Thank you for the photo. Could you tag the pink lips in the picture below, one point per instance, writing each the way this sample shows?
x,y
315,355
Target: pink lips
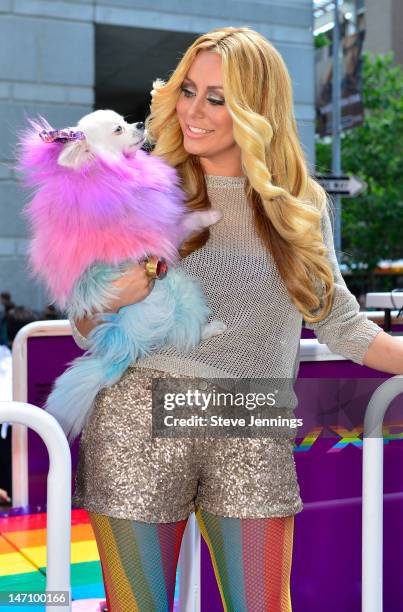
x,y
192,135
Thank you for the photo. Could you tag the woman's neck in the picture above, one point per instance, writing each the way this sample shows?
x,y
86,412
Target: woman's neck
x,y
231,167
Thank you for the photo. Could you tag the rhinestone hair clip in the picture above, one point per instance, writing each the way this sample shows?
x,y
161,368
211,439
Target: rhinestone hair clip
x,y
61,135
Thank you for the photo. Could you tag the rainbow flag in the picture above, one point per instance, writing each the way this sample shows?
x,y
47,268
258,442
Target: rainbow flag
x,y
23,559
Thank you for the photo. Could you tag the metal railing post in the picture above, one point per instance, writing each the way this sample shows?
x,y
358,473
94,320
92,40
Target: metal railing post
x,y
372,493
58,527
20,496
189,568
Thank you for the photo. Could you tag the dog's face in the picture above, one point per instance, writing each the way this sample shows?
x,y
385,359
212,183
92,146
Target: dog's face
x,y
107,135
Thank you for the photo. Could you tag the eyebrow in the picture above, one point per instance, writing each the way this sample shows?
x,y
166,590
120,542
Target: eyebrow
x,y
209,87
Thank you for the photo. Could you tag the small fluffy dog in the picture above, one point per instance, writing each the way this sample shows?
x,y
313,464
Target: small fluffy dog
x,y
101,204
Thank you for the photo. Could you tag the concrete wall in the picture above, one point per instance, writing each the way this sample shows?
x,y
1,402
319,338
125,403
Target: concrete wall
x,y
384,27
47,67
60,58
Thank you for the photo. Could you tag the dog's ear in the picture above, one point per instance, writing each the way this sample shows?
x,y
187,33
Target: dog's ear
x,y
75,154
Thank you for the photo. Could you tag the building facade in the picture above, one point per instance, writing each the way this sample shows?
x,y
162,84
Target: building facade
x,y
384,27
62,59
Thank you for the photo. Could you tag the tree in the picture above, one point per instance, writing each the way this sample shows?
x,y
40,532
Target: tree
x,y
372,223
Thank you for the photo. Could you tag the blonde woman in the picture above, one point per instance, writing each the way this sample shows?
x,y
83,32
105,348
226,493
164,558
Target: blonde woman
x,y
225,120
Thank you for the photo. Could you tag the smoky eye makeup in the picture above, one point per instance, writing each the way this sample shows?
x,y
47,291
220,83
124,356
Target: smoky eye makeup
x,y
216,101
189,93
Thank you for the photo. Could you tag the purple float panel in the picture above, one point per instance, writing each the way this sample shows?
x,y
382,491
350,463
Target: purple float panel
x,y
48,357
326,570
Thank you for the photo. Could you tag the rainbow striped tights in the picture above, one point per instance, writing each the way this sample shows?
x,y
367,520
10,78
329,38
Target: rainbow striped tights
x,y
251,558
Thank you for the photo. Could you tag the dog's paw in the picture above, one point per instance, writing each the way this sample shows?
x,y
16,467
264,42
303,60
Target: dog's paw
x,y
214,328
198,220
213,216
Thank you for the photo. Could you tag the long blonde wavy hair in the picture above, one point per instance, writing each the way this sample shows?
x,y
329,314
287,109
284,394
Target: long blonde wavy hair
x,y
287,203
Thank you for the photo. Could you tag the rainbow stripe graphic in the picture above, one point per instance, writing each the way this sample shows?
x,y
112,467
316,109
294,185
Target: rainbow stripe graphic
x,y
23,557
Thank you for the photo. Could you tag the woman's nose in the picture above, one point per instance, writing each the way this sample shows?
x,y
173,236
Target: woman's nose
x,y
139,125
196,108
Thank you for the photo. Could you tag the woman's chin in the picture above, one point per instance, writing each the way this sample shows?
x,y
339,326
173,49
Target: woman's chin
x,y
194,148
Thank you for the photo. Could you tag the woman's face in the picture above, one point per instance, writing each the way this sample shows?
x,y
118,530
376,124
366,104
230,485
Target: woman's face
x,y
204,118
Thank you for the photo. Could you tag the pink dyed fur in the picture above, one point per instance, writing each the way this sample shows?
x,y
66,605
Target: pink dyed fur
x,y
103,212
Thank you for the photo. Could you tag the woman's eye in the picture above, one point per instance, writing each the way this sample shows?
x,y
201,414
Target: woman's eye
x,y
119,129
187,92
215,101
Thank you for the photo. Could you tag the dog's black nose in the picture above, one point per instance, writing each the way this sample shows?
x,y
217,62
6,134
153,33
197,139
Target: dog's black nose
x,y
139,125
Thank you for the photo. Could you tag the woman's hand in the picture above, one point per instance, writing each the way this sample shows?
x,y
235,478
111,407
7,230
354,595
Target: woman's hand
x,y
134,285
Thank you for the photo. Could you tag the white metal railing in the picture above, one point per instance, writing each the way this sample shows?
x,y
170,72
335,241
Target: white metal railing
x,y
189,559
189,568
372,493
20,394
58,525
310,350
389,301
385,299
189,563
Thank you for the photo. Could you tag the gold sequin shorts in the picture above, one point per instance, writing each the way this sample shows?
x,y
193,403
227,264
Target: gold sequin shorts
x,y
123,472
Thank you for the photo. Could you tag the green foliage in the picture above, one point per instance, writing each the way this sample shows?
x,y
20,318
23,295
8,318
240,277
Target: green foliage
x,y
321,40
372,223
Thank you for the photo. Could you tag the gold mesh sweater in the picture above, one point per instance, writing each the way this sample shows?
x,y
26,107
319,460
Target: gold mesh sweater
x,y
245,290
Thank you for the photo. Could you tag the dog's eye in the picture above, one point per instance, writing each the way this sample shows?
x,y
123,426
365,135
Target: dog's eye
x,y
119,129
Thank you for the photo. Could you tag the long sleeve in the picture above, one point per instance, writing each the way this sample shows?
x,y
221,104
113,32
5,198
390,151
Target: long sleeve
x,y
345,330
79,339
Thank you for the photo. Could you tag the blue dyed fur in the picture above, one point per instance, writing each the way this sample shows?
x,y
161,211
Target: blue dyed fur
x,y
173,313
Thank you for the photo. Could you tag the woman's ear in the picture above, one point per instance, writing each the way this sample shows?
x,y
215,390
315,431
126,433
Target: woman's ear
x,y
75,154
